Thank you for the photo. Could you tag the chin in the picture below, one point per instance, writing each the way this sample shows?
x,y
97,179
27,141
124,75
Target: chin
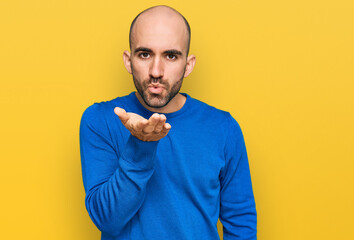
x,y
155,100
156,103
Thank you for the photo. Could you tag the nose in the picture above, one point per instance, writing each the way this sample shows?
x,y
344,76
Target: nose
x,y
156,68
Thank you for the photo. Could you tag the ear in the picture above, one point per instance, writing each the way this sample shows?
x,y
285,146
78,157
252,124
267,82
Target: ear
x,y
127,61
190,65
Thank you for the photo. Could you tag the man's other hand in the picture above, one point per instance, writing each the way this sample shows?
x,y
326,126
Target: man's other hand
x,y
152,129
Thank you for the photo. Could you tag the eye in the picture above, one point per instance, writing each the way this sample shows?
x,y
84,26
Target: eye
x,y
144,55
171,57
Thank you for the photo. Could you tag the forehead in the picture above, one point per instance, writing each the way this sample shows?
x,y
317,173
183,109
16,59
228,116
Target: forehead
x,y
160,30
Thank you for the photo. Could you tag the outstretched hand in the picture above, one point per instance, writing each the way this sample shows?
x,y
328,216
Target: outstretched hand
x,y
152,129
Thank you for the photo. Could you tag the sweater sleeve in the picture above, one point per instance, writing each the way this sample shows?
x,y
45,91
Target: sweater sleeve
x,y
237,205
115,183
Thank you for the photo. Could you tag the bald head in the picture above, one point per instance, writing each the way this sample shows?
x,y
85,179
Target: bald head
x,y
161,15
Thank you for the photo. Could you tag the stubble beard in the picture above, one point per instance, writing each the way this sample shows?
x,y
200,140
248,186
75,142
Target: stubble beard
x,y
156,100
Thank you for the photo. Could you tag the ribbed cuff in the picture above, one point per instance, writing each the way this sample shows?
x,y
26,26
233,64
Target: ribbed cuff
x,y
140,153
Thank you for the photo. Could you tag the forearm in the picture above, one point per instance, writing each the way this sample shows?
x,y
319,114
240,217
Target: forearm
x,y
239,220
112,203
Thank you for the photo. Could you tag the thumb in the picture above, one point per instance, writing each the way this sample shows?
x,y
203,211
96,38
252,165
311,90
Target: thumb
x,y
122,114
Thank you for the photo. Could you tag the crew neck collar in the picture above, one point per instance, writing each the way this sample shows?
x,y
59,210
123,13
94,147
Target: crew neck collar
x,y
148,113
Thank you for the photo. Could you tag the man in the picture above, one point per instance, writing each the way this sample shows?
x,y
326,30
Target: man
x,y
148,179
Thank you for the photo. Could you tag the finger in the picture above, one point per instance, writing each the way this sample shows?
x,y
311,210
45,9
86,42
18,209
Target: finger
x,y
122,114
153,120
166,129
167,126
141,124
160,124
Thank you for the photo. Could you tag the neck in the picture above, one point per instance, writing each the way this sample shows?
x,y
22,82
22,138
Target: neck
x,y
174,105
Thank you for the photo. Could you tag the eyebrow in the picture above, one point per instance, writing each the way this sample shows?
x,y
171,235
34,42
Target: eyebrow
x,y
173,51
144,49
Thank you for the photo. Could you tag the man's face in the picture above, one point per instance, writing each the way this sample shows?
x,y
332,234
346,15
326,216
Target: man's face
x,y
158,58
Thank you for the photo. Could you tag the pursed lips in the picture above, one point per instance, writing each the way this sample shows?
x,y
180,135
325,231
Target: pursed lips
x,y
155,88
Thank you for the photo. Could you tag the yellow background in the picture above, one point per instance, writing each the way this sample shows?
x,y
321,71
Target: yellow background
x,y
284,69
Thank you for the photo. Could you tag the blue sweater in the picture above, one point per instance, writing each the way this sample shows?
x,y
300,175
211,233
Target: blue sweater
x,y
175,188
